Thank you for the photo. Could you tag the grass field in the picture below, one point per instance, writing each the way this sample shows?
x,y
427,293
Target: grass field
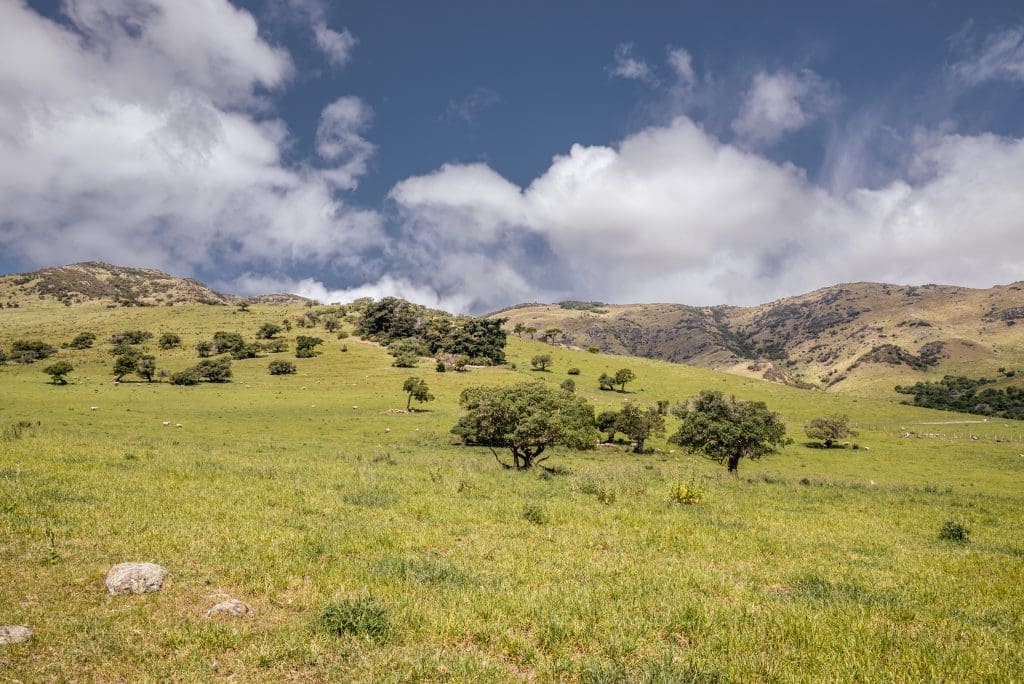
x,y
295,492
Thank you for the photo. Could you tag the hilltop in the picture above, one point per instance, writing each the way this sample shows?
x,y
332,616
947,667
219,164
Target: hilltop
x,y
842,337
95,281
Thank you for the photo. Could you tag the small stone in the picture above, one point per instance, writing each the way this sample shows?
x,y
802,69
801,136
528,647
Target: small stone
x,y
231,608
135,578
14,634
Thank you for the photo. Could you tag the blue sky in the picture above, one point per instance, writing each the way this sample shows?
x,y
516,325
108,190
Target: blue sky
x,y
475,154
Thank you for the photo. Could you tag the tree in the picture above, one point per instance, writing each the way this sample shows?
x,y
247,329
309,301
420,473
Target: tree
x,y
83,340
145,367
214,370
330,323
406,351
243,305
608,422
606,382
829,429
569,385
726,430
640,423
169,340
527,418
541,362
268,331
30,351
550,333
58,371
530,331
189,376
280,367
519,329
125,364
305,346
623,376
225,342
417,389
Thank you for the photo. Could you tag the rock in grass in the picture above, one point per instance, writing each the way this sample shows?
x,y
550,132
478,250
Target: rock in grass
x,y
230,608
14,634
135,578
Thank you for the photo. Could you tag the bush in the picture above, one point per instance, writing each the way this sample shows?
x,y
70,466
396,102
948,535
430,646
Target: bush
x,y
30,351
593,350
130,337
249,350
83,340
268,331
169,340
188,376
686,493
573,371
281,368
305,346
275,346
440,367
569,385
363,616
541,362
535,514
954,531
214,370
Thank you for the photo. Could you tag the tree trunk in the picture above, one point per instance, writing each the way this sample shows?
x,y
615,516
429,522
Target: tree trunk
x,y
639,446
734,464
408,404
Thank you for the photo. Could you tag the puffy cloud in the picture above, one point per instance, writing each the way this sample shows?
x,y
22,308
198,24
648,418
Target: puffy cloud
x,y
336,45
339,139
672,213
626,65
135,134
780,103
1001,57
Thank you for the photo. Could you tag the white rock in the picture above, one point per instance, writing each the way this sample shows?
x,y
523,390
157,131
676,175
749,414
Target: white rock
x,y
231,608
135,578
14,634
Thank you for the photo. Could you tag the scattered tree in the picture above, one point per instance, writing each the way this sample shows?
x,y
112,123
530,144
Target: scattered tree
x,y
417,389
569,385
268,331
58,372
623,376
189,376
169,340
30,351
280,367
145,367
214,370
527,418
606,382
275,346
573,371
541,362
130,337
829,429
243,305
519,329
249,350
305,346
124,364
726,430
205,349
608,422
640,423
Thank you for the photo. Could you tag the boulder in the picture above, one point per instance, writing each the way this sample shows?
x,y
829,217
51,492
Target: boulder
x,y
135,578
230,608
14,634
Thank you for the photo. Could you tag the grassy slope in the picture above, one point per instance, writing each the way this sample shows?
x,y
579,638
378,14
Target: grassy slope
x,y
288,492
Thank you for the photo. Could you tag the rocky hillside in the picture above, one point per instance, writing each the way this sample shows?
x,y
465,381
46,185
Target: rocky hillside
x,y
838,337
93,281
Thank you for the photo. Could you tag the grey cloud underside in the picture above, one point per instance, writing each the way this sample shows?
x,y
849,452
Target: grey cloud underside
x,y
157,145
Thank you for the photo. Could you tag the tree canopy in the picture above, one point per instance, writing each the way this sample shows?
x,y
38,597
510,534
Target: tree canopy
x,y
639,423
527,418
726,430
416,388
829,429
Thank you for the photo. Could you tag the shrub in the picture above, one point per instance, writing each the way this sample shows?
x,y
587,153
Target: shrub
x,y
249,350
83,340
569,385
205,349
275,346
573,371
130,337
214,370
57,371
30,351
281,368
268,331
954,531
535,514
829,429
686,493
440,367
169,340
227,341
593,350
363,616
188,376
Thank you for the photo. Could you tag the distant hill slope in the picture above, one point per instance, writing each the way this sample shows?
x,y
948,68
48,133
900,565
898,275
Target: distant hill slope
x,y
117,285
839,337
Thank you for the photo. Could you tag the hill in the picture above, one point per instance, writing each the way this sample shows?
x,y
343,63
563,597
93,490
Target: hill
x,y
95,281
315,495
845,337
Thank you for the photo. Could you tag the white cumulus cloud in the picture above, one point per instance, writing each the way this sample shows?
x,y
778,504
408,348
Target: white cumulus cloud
x,y
780,103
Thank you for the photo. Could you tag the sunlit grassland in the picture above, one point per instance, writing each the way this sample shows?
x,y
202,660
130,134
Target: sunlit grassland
x,y
290,492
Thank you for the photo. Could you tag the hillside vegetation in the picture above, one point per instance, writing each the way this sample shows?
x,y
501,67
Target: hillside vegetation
x,y
373,547
853,337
